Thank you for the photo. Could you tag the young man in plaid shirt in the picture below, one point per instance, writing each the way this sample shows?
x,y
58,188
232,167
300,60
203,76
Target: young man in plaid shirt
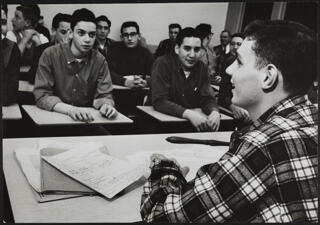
x,y
270,172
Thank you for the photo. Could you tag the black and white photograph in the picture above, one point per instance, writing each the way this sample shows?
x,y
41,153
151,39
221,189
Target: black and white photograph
x,y
149,111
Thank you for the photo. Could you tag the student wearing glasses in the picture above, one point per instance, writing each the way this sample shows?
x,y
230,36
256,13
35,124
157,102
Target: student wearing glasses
x,y
167,46
103,43
128,58
72,76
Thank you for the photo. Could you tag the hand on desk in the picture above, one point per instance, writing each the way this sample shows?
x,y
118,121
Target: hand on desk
x,y
80,113
137,82
201,122
240,113
108,111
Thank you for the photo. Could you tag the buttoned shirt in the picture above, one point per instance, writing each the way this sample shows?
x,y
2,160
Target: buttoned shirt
x,y
173,93
61,78
269,174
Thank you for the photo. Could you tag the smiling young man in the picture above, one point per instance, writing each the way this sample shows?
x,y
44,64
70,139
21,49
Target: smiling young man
x,y
72,76
270,172
128,58
181,82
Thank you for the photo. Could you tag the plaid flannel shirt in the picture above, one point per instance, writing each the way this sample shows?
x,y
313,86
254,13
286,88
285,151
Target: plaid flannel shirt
x,y
269,174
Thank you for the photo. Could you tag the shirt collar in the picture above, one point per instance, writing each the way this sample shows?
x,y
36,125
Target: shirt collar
x,y
286,103
70,57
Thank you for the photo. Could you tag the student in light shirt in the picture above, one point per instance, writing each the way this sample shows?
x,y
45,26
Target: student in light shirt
x,y
72,77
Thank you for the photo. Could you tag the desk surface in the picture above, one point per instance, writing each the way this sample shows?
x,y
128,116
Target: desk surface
x,y
168,118
11,112
25,86
45,118
125,208
120,87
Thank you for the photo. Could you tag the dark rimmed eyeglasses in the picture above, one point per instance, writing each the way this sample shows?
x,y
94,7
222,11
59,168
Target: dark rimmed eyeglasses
x,y
127,35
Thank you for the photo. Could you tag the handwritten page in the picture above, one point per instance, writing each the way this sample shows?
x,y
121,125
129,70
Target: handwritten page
x,y
97,170
193,156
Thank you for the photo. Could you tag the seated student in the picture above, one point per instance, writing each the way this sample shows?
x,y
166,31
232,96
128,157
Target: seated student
x,y
10,55
103,29
73,76
208,56
181,82
127,57
24,33
167,46
225,94
270,172
60,34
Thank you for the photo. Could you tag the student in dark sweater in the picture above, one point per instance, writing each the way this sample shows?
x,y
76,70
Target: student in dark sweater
x,y
128,58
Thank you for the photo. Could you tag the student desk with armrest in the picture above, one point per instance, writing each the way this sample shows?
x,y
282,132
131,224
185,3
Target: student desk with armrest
x,y
124,208
11,112
167,123
50,123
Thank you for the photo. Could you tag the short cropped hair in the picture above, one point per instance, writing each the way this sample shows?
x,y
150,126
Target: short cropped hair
x,y
130,24
175,25
288,45
204,30
103,18
226,31
60,17
240,35
82,15
30,12
187,32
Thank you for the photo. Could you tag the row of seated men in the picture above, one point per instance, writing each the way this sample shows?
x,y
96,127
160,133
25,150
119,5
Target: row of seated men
x,y
70,76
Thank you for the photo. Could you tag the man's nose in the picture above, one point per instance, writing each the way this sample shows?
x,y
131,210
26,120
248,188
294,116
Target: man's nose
x,y
87,38
192,53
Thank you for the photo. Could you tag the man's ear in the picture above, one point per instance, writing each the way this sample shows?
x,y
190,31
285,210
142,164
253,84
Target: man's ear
x,y
176,49
271,78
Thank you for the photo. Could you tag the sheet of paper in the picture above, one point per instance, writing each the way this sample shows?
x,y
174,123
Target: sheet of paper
x,y
193,156
29,162
97,170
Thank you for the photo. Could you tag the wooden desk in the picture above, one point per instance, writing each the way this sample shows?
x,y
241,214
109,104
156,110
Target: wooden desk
x,y
24,69
120,87
45,118
168,118
11,112
125,208
25,86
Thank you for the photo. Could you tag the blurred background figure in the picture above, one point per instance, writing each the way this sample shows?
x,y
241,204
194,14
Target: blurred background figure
x,y
103,43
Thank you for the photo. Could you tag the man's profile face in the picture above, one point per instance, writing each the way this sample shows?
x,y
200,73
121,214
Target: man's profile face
x,y
18,21
83,36
103,30
62,32
224,38
189,52
173,33
245,77
235,44
130,37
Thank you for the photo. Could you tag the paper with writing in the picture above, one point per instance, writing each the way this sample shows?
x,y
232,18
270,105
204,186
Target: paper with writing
x,y
103,173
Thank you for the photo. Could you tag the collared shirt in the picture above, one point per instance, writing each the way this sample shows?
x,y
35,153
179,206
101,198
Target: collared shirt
x,y
124,61
209,58
103,49
61,78
269,174
173,93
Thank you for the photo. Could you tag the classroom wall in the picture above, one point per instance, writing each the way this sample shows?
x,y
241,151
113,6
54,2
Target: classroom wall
x,y
153,18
